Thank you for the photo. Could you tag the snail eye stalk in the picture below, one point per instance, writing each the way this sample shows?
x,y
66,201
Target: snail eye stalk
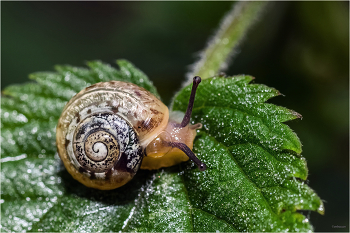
x,y
182,146
187,117
185,122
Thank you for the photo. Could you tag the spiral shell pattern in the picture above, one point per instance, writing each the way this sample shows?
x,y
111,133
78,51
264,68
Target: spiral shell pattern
x,y
103,130
100,140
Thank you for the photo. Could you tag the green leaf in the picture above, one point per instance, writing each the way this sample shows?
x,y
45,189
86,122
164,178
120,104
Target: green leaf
x,y
31,111
252,182
255,174
31,176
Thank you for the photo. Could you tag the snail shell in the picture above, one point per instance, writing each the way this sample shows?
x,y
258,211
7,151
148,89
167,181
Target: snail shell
x,y
103,131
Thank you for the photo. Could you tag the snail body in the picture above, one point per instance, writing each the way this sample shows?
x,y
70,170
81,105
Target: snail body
x,y
109,130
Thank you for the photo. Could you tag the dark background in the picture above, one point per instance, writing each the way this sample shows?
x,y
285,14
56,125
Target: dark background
x,y
300,48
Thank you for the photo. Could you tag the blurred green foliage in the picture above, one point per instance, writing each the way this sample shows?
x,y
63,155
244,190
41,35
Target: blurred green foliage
x,y
300,48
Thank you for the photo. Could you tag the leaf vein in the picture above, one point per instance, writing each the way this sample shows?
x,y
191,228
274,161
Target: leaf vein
x,y
244,173
242,111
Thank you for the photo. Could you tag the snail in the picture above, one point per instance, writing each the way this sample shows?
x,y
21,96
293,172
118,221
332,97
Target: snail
x,y
109,130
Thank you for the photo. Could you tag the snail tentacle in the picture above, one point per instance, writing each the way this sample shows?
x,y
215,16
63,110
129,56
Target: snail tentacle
x,y
105,130
202,166
187,117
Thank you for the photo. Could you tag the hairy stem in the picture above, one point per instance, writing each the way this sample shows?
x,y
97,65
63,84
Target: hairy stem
x,y
232,30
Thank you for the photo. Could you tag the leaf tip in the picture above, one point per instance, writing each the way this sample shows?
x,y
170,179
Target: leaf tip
x,y
297,115
32,76
122,62
279,93
94,63
320,209
58,68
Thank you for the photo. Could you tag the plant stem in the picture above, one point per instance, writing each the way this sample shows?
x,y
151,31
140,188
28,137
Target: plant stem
x,y
232,30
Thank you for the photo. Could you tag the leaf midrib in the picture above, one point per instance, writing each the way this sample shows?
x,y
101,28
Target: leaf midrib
x,y
243,172
268,152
